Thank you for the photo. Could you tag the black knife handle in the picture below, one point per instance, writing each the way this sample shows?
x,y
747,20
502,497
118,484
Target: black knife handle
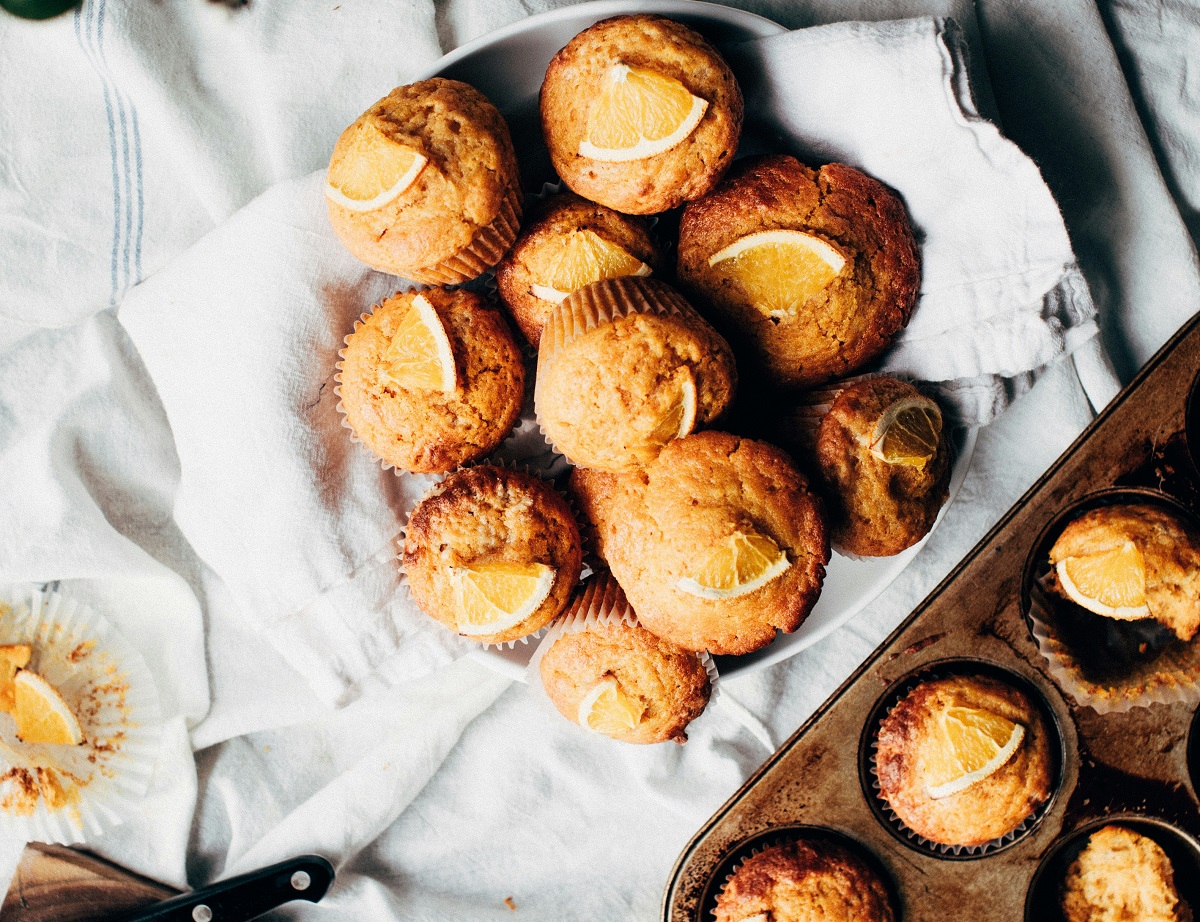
x,y
247,896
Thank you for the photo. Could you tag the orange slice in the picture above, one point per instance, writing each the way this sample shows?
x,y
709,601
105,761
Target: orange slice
x,y
372,170
419,355
493,597
745,562
12,658
42,715
638,114
975,744
908,433
680,418
779,270
609,710
580,258
1112,583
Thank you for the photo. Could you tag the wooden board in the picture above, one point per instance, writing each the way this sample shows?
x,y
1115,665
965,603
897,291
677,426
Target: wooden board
x,y
57,884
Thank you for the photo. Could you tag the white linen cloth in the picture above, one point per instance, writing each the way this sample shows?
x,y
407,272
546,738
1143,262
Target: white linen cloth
x,y
522,806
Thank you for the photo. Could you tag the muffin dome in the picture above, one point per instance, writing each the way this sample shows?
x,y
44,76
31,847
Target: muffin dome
x,y
432,428
1122,875
914,746
609,674
461,206
569,243
804,881
837,218
885,460
625,365
597,86
718,543
480,541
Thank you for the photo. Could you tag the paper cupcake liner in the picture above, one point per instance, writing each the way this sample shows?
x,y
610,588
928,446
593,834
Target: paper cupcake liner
x,y
107,684
917,840
487,248
600,602
1171,677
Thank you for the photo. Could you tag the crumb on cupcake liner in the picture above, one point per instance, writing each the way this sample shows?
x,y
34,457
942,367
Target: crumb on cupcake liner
x,y
899,827
73,794
1171,677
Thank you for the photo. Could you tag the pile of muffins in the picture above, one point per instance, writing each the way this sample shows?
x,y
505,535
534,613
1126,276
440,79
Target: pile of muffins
x,y
652,373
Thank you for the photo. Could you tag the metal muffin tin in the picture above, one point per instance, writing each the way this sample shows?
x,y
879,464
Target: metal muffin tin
x,y
1140,767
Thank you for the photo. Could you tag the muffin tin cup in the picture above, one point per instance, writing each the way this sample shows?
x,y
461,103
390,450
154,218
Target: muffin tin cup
x,y
893,697
1043,901
110,689
784,835
600,603
487,248
1171,677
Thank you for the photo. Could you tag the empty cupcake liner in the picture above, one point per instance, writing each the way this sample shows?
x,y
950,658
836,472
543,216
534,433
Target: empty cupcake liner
x,y
916,840
1171,677
71,794
487,248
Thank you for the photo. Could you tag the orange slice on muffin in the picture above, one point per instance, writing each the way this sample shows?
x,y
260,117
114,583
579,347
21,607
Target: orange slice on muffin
x,y
42,714
680,418
609,710
373,171
779,270
1111,583
975,744
580,258
493,597
746,561
419,355
908,432
12,657
639,113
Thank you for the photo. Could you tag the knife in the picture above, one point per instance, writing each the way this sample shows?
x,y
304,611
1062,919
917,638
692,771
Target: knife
x,y
247,896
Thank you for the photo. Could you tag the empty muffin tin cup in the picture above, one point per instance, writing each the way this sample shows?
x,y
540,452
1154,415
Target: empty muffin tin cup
x,y
743,851
1044,901
894,695
1103,663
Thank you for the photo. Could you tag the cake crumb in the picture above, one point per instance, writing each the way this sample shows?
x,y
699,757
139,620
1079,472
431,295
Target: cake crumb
x,y
510,903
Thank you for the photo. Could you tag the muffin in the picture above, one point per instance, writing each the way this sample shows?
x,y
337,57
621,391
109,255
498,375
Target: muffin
x,y
964,760
624,366
607,673
718,543
804,881
1129,563
570,243
492,553
813,272
885,462
431,380
640,114
424,184
1122,876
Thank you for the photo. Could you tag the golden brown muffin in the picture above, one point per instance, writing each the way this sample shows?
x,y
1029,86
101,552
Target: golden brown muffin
x,y
424,429
1122,876
592,61
569,239
878,507
804,881
1157,543
670,531
462,211
476,520
617,678
914,736
625,365
843,325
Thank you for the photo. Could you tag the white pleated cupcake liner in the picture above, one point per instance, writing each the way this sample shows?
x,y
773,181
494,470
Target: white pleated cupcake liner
x,y
1173,677
917,840
512,466
108,686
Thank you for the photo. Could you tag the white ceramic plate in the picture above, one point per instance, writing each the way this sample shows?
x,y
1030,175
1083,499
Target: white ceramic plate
x,y
508,66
